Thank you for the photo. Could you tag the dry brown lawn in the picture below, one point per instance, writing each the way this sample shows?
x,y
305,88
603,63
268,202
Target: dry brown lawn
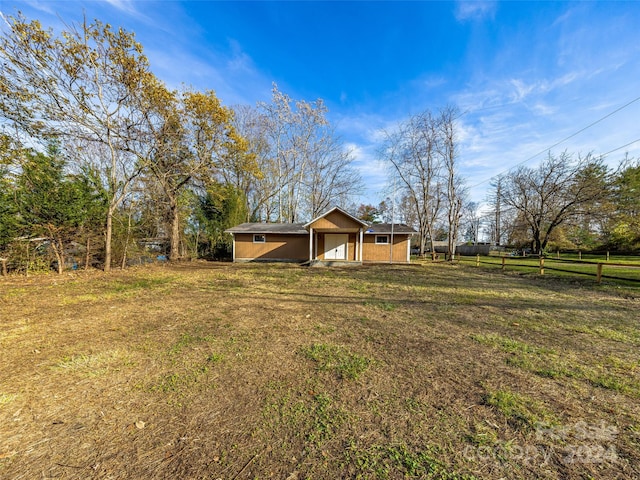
x,y
207,371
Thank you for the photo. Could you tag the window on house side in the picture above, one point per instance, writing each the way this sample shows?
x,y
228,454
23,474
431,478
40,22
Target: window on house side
x,y
382,239
259,238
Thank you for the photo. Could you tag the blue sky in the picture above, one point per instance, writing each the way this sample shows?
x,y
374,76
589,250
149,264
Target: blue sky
x,y
525,75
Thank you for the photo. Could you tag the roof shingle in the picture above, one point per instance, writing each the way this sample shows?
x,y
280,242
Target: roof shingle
x,y
282,228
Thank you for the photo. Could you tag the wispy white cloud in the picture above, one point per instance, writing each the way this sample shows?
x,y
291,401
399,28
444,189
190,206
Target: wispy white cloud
x,y
434,81
373,169
474,10
238,60
40,6
126,6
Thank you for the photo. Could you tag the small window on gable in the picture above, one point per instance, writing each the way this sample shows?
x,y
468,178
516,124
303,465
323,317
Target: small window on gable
x,y
259,238
382,239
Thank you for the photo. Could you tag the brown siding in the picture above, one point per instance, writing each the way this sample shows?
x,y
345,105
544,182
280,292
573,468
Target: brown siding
x,y
296,248
373,252
335,220
320,246
276,247
351,255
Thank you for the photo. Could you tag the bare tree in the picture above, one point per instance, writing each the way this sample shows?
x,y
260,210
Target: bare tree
x,y
306,165
495,201
470,222
412,151
455,190
330,179
288,133
558,190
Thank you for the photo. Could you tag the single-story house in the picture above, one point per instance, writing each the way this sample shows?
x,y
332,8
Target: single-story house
x,y
335,236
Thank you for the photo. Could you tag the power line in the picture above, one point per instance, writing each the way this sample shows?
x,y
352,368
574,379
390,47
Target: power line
x,y
621,147
564,140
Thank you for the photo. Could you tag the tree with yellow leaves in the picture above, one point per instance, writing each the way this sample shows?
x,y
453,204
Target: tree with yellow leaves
x,y
85,88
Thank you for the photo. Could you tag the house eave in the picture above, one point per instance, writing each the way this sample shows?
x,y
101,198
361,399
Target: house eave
x,y
336,209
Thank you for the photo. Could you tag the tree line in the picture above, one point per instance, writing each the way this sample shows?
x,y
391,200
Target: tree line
x,y
102,164
99,158
567,202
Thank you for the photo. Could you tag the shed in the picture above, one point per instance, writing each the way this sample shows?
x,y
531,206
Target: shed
x,y
334,237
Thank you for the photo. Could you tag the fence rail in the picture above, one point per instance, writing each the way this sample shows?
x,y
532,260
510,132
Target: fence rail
x,y
542,264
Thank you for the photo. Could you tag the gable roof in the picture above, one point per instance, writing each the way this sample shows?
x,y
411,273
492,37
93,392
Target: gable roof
x,y
386,228
303,229
336,209
282,228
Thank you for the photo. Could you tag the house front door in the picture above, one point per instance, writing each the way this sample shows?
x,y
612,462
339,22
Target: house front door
x,y
335,246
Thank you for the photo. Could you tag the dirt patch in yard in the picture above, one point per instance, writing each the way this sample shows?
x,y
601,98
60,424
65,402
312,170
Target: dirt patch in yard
x,y
203,370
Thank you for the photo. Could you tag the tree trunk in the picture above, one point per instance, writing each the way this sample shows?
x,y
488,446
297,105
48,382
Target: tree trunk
x,y
58,252
537,245
123,264
174,252
432,242
58,248
87,255
3,261
107,240
26,267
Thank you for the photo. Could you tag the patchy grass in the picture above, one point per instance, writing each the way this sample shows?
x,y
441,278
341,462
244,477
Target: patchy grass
x,y
6,398
337,359
92,365
519,410
508,344
431,371
393,461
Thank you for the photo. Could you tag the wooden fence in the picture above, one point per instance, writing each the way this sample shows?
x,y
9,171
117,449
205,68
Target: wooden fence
x,y
555,264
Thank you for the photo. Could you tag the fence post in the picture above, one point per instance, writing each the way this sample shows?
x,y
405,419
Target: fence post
x,y
541,265
607,255
558,254
477,259
4,266
503,262
599,275
579,254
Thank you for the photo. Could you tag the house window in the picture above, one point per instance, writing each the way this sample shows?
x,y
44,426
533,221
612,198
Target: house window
x,y
259,238
382,239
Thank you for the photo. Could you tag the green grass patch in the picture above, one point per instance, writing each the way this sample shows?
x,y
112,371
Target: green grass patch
x,y
612,374
382,305
510,345
215,358
400,460
183,382
627,336
520,411
188,339
308,416
482,435
337,359
6,398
